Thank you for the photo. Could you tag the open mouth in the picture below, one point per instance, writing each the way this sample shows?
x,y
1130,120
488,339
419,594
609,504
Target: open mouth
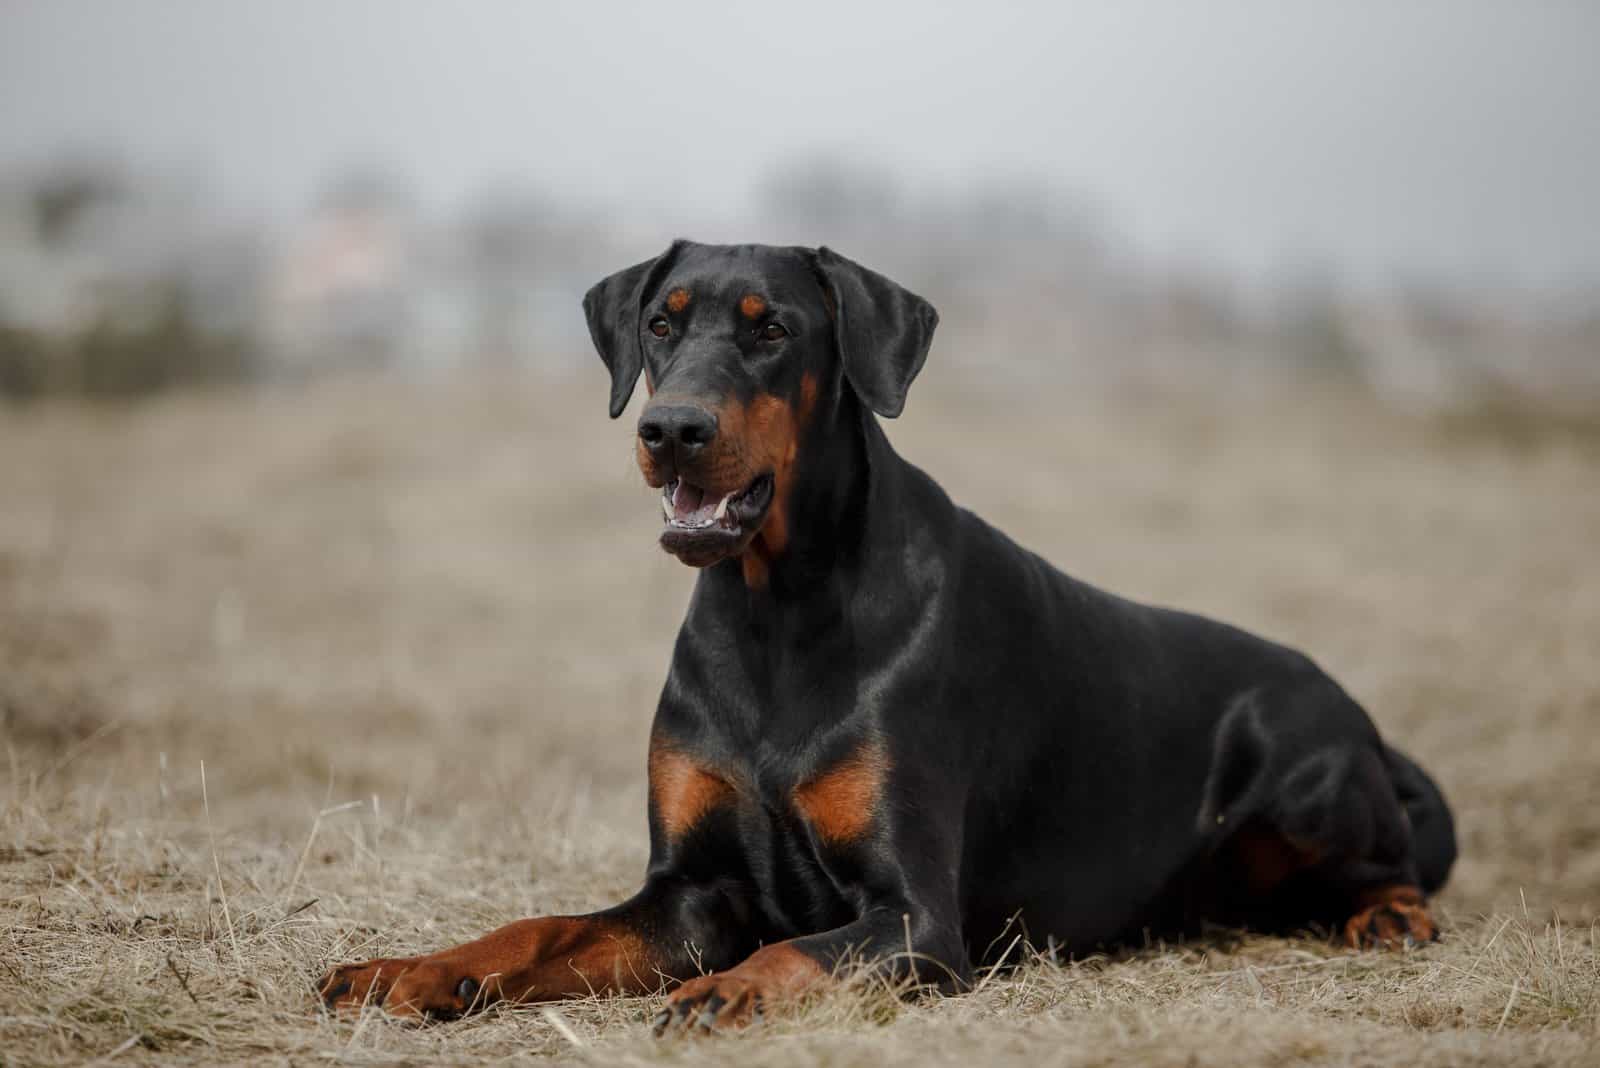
x,y
703,527
688,507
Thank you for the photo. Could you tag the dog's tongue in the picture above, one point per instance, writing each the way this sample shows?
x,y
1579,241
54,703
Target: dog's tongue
x,y
692,505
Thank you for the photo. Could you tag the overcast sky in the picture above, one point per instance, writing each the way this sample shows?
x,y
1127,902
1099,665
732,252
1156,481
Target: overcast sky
x,y
1453,138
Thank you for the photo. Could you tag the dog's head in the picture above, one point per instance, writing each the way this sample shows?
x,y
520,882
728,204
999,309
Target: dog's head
x,y
743,347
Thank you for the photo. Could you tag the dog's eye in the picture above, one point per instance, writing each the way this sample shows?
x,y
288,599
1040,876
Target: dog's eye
x,y
774,331
660,327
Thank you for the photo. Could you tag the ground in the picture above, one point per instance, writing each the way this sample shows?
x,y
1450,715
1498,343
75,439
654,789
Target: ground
x,y
307,674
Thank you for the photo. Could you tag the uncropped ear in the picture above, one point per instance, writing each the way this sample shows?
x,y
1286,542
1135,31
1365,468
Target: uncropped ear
x,y
883,330
613,306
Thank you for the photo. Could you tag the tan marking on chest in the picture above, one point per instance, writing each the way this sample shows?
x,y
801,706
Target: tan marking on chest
x,y
843,803
683,791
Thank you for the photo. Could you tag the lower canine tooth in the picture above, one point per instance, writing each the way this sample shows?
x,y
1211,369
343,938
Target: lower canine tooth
x,y
722,507
666,506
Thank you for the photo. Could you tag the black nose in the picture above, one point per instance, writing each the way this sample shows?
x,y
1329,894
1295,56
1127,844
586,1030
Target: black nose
x,y
680,428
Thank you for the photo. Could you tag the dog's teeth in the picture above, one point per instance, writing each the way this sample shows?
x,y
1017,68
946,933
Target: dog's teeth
x,y
722,507
666,506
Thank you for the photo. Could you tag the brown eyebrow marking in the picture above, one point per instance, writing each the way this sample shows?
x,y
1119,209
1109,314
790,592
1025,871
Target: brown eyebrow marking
x,y
752,306
677,300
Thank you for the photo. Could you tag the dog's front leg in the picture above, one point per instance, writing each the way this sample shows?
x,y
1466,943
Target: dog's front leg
x,y
633,948
902,942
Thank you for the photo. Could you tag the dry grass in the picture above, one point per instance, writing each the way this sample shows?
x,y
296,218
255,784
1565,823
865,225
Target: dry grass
x,y
413,633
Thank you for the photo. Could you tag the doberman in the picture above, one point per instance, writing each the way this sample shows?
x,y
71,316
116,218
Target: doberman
x,y
890,736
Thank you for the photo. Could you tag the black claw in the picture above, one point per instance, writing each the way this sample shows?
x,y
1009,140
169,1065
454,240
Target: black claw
x,y
467,989
659,1024
708,1012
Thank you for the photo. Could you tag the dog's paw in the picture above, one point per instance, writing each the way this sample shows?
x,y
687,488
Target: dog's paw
x,y
723,1001
416,988
1398,920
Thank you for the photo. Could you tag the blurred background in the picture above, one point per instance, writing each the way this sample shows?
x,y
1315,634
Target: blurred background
x,y
1401,196
1288,314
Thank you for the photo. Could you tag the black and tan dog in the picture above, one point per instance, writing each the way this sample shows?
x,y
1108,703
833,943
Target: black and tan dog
x,y
889,732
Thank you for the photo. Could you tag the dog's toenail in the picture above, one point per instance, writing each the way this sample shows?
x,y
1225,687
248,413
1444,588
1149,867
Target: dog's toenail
x,y
467,989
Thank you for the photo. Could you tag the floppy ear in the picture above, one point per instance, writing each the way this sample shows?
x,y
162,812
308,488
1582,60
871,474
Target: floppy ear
x,y
883,330
612,307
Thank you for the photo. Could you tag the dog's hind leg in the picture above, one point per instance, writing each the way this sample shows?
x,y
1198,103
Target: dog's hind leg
x,y
1318,827
1433,829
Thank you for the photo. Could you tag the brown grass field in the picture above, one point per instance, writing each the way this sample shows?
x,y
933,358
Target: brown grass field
x,y
307,674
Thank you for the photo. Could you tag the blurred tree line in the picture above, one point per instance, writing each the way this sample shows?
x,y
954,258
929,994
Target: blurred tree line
x,y
113,357
98,333
112,286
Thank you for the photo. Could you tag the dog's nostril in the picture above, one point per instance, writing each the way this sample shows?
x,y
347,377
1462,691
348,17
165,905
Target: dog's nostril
x,y
684,426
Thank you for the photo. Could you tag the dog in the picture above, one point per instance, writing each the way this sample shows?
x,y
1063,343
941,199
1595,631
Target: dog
x,y
890,736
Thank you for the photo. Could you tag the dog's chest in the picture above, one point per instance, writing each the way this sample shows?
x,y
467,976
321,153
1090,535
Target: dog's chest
x,y
804,837
799,832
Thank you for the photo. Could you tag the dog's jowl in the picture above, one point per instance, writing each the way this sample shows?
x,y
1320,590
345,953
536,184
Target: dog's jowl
x,y
888,727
